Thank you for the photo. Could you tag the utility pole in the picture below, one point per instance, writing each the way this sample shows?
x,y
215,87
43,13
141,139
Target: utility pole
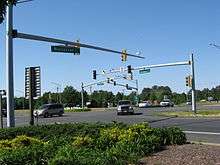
x,y
90,90
82,95
193,84
31,107
137,85
137,91
58,88
9,67
49,98
1,111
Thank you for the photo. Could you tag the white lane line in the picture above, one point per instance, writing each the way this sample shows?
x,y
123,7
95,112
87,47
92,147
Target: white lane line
x,y
202,133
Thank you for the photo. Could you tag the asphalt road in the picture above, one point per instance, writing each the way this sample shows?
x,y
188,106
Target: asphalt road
x,y
201,129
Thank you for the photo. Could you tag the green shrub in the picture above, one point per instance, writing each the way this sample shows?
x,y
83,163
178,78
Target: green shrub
x,y
140,128
20,141
47,132
80,156
108,137
32,155
82,141
23,141
175,135
5,144
172,135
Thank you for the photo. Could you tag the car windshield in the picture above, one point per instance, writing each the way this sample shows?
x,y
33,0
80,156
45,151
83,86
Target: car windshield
x,y
124,102
43,106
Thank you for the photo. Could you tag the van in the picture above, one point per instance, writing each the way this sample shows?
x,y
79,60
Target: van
x,y
47,110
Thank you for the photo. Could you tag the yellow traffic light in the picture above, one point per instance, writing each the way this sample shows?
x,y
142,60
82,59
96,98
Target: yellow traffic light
x,y
189,81
124,55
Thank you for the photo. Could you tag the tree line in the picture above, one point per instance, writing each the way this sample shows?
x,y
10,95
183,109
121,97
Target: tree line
x,y
71,97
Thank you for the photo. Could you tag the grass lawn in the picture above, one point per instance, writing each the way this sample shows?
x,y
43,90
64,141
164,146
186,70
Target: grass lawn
x,y
22,111
200,113
77,110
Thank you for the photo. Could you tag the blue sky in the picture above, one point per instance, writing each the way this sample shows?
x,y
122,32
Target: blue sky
x,y
164,31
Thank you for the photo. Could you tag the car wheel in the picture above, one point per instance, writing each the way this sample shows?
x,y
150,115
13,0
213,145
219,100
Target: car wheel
x,y
46,115
60,114
119,113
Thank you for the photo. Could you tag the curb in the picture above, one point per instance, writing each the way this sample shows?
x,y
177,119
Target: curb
x,y
204,143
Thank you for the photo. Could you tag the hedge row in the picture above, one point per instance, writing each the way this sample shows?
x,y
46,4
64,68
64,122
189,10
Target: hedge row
x,y
82,144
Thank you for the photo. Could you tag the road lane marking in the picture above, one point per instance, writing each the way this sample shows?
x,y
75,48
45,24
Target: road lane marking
x,y
202,133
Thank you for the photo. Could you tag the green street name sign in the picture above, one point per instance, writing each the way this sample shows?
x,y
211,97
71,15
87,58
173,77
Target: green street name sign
x,y
65,49
100,84
143,71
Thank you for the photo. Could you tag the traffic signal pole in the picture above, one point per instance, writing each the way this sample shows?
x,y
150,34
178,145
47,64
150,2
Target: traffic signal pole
x,y
82,95
64,42
9,67
193,84
1,111
190,63
31,107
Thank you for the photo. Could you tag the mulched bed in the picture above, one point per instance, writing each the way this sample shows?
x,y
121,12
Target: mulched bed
x,y
189,154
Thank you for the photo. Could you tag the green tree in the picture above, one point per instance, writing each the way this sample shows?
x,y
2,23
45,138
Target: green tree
x,y
102,98
118,97
179,98
132,97
71,96
145,94
21,103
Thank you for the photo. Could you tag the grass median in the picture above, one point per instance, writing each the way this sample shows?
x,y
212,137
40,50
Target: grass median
x,y
77,110
200,113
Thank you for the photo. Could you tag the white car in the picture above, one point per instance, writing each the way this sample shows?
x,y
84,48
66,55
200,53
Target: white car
x,y
125,107
166,103
144,104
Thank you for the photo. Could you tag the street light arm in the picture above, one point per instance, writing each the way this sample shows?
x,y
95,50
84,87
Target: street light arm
x,y
24,1
71,43
123,69
56,84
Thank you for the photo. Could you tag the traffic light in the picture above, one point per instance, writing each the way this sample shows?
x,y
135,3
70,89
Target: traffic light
x,y
129,69
114,83
2,92
189,81
127,87
32,82
94,74
108,80
77,48
124,55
